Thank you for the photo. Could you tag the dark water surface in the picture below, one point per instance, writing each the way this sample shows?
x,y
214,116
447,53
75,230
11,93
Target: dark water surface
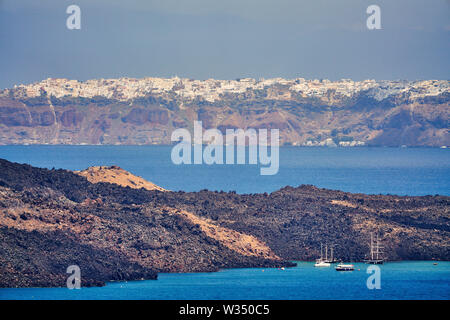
x,y
402,171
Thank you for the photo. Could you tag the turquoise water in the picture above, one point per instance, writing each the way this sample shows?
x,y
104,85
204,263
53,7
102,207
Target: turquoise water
x,y
402,171
399,280
411,171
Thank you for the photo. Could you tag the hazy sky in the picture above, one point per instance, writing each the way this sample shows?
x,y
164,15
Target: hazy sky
x,y
224,39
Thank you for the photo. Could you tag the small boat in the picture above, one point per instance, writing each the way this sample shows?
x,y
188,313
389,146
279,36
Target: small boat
x,y
345,267
321,262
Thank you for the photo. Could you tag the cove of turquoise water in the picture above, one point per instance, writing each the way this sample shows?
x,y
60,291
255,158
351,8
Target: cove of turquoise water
x,y
401,171
413,280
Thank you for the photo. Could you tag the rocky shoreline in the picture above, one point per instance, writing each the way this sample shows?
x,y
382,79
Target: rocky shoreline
x,y
50,219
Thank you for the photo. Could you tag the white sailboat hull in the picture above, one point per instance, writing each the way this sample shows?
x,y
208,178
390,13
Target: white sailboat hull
x,y
322,264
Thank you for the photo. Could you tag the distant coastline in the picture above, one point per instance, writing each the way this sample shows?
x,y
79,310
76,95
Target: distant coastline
x,y
171,144
307,112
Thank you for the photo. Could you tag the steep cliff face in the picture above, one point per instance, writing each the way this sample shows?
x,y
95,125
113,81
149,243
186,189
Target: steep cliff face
x,y
385,114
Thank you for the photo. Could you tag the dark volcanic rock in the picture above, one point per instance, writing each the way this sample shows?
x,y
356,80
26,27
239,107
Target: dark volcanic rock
x,y
50,219
294,221
40,259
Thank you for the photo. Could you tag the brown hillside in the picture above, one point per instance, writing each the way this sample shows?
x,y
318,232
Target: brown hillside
x,y
117,175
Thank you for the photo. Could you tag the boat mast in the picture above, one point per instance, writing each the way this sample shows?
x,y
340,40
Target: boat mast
x,y
378,246
371,245
321,251
326,252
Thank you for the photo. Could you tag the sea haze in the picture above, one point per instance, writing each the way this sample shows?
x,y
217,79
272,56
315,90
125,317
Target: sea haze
x,y
401,171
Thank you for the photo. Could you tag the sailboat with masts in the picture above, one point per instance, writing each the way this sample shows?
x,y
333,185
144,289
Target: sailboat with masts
x,y
331,259
325,261
321,262
376,254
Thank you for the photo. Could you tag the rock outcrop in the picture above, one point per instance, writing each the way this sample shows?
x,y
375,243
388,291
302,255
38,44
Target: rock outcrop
x,y
115,174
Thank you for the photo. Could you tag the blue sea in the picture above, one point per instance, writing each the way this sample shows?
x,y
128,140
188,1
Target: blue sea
x,y
401,171
399,280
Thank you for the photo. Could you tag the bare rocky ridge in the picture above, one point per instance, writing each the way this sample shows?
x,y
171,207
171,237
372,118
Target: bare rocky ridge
x,y
294,221
242,243
115,174
111,232
50,219
307,112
